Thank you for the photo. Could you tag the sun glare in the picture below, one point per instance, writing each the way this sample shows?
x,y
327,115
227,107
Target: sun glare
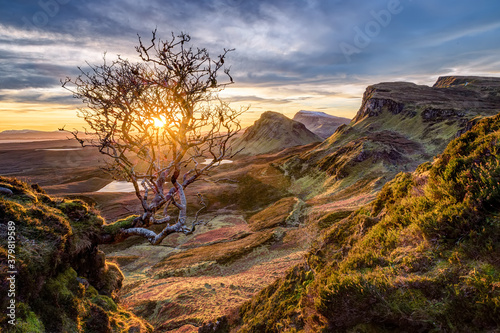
x,y
158,122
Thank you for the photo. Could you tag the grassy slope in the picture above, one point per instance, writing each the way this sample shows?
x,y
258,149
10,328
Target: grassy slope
x,y
63,283
422,257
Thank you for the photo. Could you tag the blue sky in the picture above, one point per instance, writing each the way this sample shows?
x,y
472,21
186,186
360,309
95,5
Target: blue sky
x,y
290,55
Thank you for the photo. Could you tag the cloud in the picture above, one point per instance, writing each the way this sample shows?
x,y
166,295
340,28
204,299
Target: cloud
x,y
289,47
39,96
277,101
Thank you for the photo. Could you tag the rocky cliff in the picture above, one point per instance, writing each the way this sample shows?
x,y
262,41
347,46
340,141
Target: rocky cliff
x,y
398,126
450,97
273,132
320,123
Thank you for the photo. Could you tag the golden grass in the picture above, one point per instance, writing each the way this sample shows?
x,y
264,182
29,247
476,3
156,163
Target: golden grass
x,y
278,214
176,303
221,253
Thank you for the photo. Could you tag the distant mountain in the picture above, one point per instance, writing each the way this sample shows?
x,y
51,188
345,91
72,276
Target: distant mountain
x,y
320,123
398,126
273,132
27,134
15,132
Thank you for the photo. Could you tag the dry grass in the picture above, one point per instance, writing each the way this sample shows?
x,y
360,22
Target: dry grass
x,y
208,273
275,215
180,304
221,253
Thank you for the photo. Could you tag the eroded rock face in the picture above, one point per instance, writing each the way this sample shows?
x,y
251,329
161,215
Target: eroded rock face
x,y
320,123
449,97
398,126
373,104
273,132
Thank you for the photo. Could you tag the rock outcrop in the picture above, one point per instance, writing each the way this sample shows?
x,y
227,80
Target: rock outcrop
x,y
320,123
450,96
273,132
398,126
62,280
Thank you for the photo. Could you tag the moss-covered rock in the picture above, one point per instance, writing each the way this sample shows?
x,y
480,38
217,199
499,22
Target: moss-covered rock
x,y
114,228
63,282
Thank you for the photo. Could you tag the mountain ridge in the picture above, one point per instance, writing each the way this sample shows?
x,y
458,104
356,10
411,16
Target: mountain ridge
x,y
320,123
421,257
398,126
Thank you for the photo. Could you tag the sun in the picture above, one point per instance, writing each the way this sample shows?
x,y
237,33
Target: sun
x,y
159,122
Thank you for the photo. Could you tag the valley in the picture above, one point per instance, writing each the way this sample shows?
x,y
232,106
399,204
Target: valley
x,y
299,226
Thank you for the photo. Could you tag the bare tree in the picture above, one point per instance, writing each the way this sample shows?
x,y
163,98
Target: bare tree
x,y
158,120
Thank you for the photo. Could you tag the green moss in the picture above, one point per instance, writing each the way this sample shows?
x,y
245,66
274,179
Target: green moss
x,y
74,206
28,322
115,227
111,279
55,239
331,218
392,191
275,308
105,302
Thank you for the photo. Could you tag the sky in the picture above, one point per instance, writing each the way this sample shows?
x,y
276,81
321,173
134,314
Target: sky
x,y
290,55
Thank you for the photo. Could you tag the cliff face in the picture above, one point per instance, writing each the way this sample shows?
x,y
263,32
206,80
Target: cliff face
x,y
63,282
449,97
398,126
273,132
320,123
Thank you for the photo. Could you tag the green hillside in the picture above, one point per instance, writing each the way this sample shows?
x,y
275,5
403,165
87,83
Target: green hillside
x,y
63,282
422,257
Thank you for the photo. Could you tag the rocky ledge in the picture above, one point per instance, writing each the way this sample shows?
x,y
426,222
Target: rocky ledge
x,y
451,96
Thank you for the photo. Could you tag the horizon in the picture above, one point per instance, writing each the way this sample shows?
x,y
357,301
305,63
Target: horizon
x,y
305,55
28,130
